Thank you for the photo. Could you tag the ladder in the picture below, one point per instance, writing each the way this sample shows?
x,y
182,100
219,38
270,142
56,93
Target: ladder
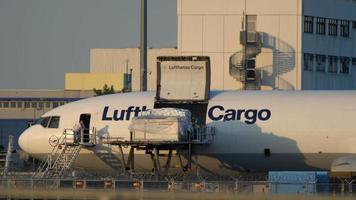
x,y
63,155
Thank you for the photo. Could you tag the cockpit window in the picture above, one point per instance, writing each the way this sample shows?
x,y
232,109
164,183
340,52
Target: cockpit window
x,y
54,123
43,121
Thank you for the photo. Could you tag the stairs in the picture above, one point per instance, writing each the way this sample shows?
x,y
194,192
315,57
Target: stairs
x,y
62,163
64,153
243,63
2,160
110,159
5,157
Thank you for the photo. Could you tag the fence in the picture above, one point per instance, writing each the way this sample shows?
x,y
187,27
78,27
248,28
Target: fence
x,y
244,187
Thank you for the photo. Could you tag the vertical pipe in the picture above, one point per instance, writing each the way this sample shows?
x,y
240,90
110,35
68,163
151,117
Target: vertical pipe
x,y
143,47
245,49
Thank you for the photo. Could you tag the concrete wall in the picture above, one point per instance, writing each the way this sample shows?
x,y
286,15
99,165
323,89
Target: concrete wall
x,y
330,45
89,81
116,60
211,28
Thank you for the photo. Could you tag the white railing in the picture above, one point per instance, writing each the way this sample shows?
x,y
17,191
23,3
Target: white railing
x,y
203,134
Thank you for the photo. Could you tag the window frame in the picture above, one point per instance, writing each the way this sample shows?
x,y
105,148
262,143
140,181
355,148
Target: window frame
x,y
320,25
40,104
323,63
13,104
344,70
44,119
33,104
353,62
333,27
308,24
27,104
50,122
330,60
55,104
6,104
308,57
19,104
344,28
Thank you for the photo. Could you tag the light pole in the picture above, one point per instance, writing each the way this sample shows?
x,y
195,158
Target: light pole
x,y
143,47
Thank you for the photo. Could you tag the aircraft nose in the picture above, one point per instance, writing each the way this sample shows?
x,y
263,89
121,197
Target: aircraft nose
x,y
24,140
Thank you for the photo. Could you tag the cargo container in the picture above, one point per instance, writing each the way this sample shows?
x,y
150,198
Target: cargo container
x,y
183,78
296,182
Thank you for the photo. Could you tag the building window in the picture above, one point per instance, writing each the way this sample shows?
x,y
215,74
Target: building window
x,y
40,105
34,104
62,103
13,104
320,63
48,104
6,104
320,25
344,65
0,104
55,104
333,64
333,23
19,104
308,24
353,62
354,24
344,28
27,104
308,62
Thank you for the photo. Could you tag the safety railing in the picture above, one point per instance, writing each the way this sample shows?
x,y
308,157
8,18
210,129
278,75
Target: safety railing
x,y
243,187
83,136
203,134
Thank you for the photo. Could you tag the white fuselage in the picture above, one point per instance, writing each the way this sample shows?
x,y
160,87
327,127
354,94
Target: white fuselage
x,y
255,130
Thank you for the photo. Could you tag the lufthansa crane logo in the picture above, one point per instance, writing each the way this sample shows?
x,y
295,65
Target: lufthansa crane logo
x,y
53,141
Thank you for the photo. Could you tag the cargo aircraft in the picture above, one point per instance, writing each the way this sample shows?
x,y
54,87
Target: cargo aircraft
x,y
255,131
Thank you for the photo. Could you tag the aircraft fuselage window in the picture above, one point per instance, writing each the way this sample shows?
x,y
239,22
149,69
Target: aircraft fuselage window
x,y
54,123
